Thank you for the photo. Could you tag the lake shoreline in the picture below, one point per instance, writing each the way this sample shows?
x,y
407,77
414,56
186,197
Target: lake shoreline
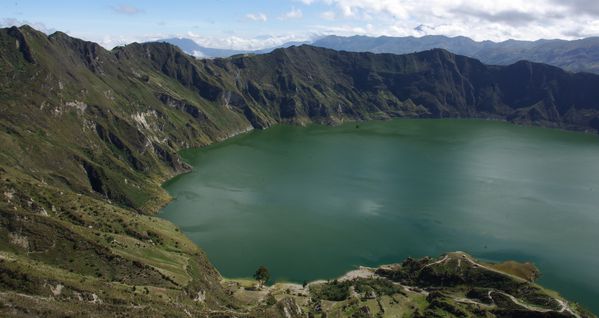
x,y
349,127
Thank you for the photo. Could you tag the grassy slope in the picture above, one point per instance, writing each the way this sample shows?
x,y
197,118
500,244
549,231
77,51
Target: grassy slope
x,y
462,287
85,147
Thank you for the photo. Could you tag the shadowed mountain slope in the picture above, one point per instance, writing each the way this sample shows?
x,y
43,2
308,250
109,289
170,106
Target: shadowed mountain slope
x,y
577,55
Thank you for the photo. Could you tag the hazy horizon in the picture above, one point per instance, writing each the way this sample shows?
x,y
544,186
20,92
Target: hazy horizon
x,y
251,25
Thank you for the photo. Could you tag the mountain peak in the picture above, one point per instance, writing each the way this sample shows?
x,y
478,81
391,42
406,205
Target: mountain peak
x,y
27,28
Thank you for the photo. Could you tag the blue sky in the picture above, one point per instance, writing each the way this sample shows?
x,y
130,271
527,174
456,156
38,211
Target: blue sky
x,y
252,24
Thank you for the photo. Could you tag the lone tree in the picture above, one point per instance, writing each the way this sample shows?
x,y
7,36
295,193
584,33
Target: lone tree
x,y
262,275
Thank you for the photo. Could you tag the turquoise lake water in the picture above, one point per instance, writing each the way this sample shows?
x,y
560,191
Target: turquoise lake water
x,y
314,202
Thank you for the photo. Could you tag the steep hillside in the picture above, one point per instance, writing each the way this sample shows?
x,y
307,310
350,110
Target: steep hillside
x,y
88,136
324,85
86,144
577,55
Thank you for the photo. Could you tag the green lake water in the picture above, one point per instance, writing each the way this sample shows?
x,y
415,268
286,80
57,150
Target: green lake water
x,y
314,202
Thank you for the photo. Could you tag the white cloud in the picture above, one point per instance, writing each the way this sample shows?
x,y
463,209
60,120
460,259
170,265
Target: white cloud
x,y
480,20
328,15
354,8
109,41
198,54
127,9
234,42
292,14
9,22
261,17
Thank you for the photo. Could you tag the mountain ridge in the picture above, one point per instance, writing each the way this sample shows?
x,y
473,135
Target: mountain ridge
x,y
575,55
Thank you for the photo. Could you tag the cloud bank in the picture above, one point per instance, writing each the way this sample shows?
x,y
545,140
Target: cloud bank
x,y
301,20
480,20
260,17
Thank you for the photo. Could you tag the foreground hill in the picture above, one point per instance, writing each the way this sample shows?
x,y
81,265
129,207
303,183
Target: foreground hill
x,y
88,135
454,285
577,56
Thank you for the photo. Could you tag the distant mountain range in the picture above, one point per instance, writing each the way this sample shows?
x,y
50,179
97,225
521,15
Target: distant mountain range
x,y
190,47
576,56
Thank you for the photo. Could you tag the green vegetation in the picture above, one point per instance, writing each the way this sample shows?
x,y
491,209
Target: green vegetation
x,y
262,275
333,291
376,287
454,285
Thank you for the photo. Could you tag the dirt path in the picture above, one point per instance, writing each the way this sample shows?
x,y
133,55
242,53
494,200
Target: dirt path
x,y
518,302
565,307
445,258
467,258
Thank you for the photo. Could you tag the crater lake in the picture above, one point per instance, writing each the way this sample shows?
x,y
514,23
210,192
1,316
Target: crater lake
x,y
314,202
